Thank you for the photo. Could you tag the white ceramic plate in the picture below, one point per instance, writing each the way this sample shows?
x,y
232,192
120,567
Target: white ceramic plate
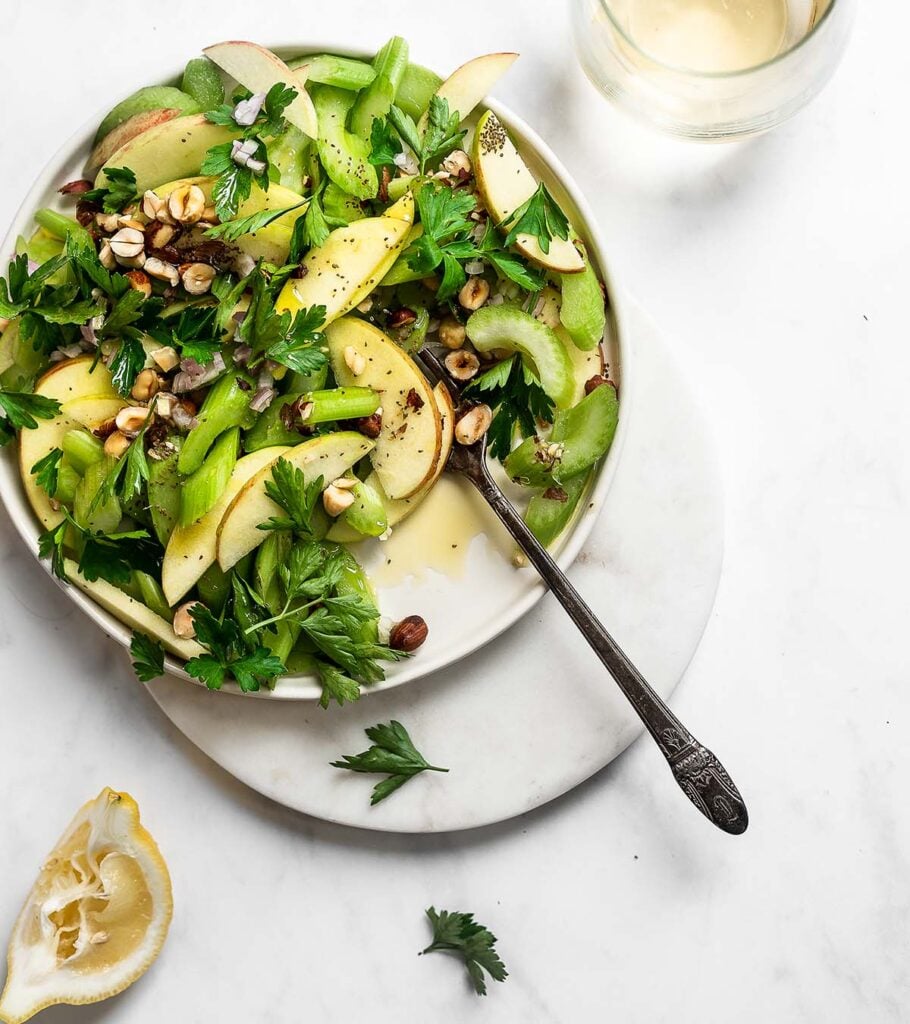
x,y
487,594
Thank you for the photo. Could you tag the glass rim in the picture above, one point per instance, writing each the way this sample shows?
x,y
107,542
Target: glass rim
x,y
693,73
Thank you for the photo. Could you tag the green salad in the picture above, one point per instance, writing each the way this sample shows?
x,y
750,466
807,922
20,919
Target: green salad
x,y
208,352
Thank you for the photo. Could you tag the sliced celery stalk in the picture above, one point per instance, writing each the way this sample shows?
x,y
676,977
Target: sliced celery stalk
x,y
341,208
299,382
288,154
376,99
151,594
203,488
398,186
19,359
583,434
164,493
344,155
224,407
40,248
343,72
82,449
412,337
269,430
417,88
583,312
67,482
60,226
368,514
548,517
342,404
105,517
355,581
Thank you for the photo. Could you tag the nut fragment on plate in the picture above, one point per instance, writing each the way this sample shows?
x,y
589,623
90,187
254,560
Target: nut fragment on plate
x,y
197,278
409,634
462,364
472,426
186,204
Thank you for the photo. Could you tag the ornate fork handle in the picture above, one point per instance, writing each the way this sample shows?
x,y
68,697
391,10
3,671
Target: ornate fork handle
x,y
697,771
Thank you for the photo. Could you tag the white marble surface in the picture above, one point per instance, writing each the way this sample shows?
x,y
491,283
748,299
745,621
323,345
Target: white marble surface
x,y
780,269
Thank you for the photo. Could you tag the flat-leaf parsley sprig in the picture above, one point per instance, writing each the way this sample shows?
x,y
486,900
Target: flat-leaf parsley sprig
x,y
458,933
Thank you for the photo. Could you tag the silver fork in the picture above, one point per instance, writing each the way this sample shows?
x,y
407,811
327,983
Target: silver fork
x,y
697,771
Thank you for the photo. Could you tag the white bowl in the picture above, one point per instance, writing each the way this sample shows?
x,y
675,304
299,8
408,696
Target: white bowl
x,y
463,614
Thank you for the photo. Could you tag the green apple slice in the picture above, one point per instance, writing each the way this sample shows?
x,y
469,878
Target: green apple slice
x,y
505,182
151,97
329,456
398,509
192,549
259,69
76,378
93,410
408,446
126,132
34,445
466,87
174,149
133,613
271,243
509,328
350,264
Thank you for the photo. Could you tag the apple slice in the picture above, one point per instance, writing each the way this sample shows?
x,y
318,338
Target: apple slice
x,y
470,83
192,549
126,132
352,261
329,456
258,69
271,243
401,508
407,449
133,613
505,182
174,149
76,378
93,410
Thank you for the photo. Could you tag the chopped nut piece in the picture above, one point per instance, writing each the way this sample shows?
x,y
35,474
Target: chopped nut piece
x,y
107,221
336,499
106,256
186,204
197,278
155,208
473,425
128,221
146,386
183,622
409,634
475,293
413,400
462,364
116,444
369,426
164,406
458,164
162,271
158,235
131,419
555,494
166,358
354,361
593,383
402,317
210,216
132,261
451,333
139,282
127,243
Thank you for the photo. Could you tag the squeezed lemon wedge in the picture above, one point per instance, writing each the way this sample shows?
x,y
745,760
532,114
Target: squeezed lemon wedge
x,y
97,916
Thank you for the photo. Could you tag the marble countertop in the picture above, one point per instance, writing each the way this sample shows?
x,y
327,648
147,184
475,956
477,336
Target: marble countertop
x,y
779,270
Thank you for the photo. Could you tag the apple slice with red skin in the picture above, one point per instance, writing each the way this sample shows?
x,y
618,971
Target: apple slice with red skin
x,y
126,132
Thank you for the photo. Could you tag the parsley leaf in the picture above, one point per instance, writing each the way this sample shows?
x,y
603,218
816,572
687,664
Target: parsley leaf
x,y
336,686
539,216
120,191
231,230
301,350
331,634
20,410
514,392
52,544
509,264
127,362
446,235
384,146
289,489
393,754
312,228
457,932
442,134
148,657
110,557
228,293
45,471
229,652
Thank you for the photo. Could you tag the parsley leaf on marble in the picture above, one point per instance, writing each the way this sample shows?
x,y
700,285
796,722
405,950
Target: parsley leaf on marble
x,y
458,933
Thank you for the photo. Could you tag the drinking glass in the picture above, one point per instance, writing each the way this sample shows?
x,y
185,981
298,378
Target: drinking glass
x,y
711,70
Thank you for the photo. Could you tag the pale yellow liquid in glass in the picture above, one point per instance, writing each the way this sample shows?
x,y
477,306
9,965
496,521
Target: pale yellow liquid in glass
x,y
708,35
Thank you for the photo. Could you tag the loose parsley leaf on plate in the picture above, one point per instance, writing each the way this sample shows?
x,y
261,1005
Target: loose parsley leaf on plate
x,y
231,230
540,216
148,657
457,932
392,753
120,191
514,392
45,471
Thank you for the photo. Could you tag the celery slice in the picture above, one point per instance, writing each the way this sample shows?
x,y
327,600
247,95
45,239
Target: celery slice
x,y
82,449
203,488
224,407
